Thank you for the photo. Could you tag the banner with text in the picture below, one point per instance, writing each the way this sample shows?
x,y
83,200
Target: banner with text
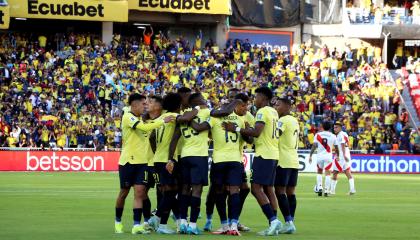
x,y
108,161
273,39
4,16
182,6
96,10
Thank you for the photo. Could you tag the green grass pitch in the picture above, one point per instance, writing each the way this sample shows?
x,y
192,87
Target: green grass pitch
x,y
81,206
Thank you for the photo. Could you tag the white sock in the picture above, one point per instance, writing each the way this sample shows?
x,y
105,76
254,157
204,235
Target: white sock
x,y
193,225
117,221
333,185
351,183
184,221
319,181
327,183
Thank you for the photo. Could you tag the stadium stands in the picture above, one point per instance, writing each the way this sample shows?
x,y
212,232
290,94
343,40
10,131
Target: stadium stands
x,y
73,96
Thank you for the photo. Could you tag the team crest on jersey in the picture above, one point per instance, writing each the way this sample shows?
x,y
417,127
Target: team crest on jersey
x,y
259,116
133,119
279,124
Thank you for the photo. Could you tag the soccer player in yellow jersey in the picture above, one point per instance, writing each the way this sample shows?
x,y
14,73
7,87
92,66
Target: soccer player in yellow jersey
x,y
266,136
225,111
154,111
161,139
227,168
287,169
132,163
194,164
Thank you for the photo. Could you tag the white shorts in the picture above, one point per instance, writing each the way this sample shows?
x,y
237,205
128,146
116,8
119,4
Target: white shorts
x,y
324,163
341,165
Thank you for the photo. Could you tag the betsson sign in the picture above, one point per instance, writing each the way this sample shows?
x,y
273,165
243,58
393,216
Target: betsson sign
x,y
99,10
108,161
182,6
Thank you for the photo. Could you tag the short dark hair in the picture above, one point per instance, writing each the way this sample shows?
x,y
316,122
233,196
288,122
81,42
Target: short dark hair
x,y
135,97
184,90
285,100
171,102
243,97
193,97
266,92
233,90
157,98
326,125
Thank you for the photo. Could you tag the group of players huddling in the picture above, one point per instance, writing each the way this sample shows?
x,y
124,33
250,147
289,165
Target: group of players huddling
x,y
166,141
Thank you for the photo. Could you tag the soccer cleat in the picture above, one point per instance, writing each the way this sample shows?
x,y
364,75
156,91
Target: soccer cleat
x,y
153,223
139,229
183,229
222,231
193,231
163,229
119,227
274,228
243,228
147,227
320,193
208,226
332,193
326,194
288,228
351,193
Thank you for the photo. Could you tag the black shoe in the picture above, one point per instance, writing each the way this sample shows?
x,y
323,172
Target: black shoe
x,y
325,194
320,193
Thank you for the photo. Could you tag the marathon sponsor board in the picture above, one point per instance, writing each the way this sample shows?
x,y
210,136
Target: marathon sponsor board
x,y
4,16
273,39
108,161
182,6
98,10
371,163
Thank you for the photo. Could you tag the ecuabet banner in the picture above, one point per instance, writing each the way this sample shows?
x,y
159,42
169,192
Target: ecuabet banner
x,y
90,10
182,6
4,16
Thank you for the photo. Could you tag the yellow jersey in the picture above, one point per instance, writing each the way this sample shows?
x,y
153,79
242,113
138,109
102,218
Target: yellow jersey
x,y
135,141
227,145
194,143
163,139
149,151
266,145
289,141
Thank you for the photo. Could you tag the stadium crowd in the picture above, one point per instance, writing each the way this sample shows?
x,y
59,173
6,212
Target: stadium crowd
x,y
69,91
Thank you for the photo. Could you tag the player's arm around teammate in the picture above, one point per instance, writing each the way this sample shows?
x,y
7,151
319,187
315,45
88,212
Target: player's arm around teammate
x,y
266,156
132,165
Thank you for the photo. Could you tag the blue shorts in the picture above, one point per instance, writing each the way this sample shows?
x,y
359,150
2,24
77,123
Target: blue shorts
x,y
286,177
163,176
263,171
132,174
195,170
227,173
